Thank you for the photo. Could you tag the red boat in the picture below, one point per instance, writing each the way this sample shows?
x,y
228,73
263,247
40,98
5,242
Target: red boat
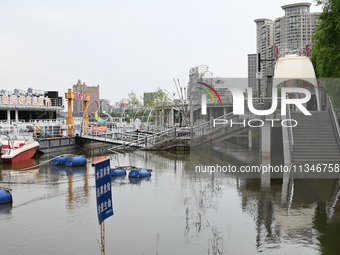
x,y
18,149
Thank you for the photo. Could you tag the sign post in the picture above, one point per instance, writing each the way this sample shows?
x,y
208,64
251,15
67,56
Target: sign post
x,y
103,194
103,190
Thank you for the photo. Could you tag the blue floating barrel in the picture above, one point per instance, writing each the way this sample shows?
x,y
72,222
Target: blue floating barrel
x,y
138,180
5,196
116,172
117,178
76,161
139,173
59,161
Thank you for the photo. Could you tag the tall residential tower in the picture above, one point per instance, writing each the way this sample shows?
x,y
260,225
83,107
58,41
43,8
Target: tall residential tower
x,y
289,34
294,31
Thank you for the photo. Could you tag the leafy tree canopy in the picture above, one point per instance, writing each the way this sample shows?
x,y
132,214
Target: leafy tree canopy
x,y
157,98
134,103
326,50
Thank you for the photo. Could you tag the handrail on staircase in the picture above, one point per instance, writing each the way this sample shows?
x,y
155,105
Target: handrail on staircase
x,y
334,120
210,121
290,130
206,127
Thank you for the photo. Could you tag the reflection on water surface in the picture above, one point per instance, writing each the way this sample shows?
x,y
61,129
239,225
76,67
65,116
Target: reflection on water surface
x,y
175,211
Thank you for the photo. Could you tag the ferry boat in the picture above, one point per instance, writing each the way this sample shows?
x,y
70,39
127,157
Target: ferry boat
x,y
33,113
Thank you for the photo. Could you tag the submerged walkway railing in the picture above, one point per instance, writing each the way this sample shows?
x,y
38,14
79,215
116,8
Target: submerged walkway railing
x,y
175,136
139,139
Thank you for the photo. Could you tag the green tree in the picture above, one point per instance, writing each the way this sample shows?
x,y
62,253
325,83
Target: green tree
x,y
160,101
160,97
325,51
134,103
157,98
115,114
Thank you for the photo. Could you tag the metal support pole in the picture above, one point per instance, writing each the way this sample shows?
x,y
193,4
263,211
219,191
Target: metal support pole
x,y
259,88
259,74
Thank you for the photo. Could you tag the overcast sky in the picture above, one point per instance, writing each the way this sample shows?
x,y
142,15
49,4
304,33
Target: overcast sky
x,y
126,45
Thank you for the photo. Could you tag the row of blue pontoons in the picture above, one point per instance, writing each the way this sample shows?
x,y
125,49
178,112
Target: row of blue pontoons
x,y
68,160
74,161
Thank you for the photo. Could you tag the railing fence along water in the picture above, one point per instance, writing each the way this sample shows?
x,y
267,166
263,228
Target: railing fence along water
x,y
142,140
35,128
210,126
153,136
139,139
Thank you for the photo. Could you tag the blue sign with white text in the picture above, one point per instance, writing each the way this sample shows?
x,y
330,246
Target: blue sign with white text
x,y
103,190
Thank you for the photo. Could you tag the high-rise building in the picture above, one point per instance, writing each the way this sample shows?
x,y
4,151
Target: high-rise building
x,y
289,34
202,74
264,46
124,103
252,69
265,42
294,31
78,104
105,105
197,73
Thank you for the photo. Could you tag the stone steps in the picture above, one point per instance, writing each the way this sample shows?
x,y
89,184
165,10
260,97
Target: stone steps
x,y
314,139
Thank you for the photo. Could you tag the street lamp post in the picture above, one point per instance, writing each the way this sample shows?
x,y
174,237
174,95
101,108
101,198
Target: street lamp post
x,y
259,74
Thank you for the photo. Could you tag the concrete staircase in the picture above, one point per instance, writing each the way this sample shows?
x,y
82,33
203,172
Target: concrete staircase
x,y
314,139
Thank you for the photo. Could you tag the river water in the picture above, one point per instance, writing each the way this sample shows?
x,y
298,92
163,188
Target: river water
x,y
175,211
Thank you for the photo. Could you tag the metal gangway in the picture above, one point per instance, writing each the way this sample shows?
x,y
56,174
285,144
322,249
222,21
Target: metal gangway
x,y
214,130
132,139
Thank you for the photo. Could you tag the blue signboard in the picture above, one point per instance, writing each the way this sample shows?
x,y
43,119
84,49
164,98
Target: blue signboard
x,y
103,190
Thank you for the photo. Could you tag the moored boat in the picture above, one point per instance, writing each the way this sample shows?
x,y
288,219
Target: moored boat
x,y
17,149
